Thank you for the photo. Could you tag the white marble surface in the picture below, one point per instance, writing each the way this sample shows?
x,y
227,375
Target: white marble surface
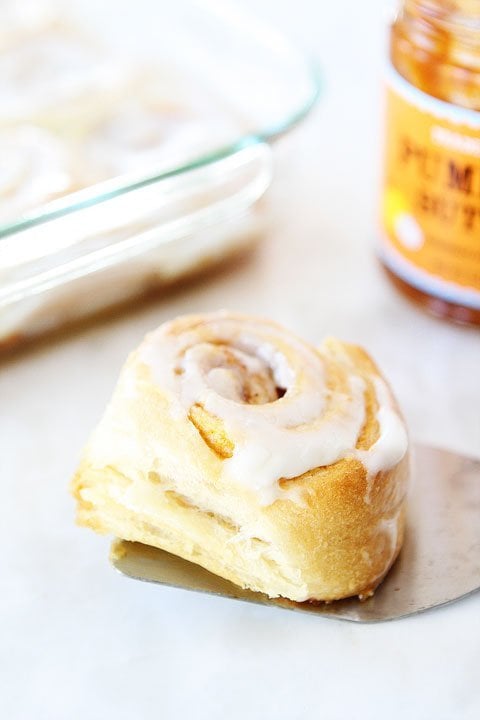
x,y
78,640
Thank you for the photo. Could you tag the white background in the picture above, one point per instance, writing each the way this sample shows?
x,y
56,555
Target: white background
x,y
79,641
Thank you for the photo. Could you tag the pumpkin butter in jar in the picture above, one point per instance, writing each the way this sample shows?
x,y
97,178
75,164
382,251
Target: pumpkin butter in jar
x,y
430,205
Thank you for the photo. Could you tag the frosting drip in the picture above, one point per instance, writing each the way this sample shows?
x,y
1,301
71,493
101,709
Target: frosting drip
x,y
274,395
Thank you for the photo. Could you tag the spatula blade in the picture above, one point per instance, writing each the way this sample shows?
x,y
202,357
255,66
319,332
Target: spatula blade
x,y
439,562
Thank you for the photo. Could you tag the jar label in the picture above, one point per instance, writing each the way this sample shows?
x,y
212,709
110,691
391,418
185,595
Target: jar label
x,y
430,212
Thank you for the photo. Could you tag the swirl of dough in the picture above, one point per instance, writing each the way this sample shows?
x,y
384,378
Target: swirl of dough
x,y
272,406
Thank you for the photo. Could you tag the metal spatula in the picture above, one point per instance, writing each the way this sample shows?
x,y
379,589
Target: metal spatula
x,y
439,562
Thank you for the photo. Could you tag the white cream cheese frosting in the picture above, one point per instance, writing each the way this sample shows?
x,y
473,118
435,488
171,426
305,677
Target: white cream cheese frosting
x,y
271,392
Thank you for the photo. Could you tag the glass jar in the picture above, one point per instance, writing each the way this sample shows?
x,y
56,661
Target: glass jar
x,y
430,210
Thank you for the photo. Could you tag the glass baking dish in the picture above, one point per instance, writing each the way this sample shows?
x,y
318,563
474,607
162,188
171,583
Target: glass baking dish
x,y
168,111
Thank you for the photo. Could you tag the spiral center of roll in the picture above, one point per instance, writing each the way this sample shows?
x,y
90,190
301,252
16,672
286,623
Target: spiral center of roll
x,y
236,374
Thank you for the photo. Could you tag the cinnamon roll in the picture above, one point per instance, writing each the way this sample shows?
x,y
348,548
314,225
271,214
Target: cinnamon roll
x,y
36,168
238,446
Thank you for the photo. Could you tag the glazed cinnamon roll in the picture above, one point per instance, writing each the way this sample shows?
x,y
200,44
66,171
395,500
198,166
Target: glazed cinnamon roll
x,y
36,168
234,444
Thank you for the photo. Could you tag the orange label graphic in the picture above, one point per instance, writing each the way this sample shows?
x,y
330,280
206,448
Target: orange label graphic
x,y
431,200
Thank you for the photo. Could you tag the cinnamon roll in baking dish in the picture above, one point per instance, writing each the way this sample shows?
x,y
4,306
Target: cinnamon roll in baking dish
x,y
234,444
